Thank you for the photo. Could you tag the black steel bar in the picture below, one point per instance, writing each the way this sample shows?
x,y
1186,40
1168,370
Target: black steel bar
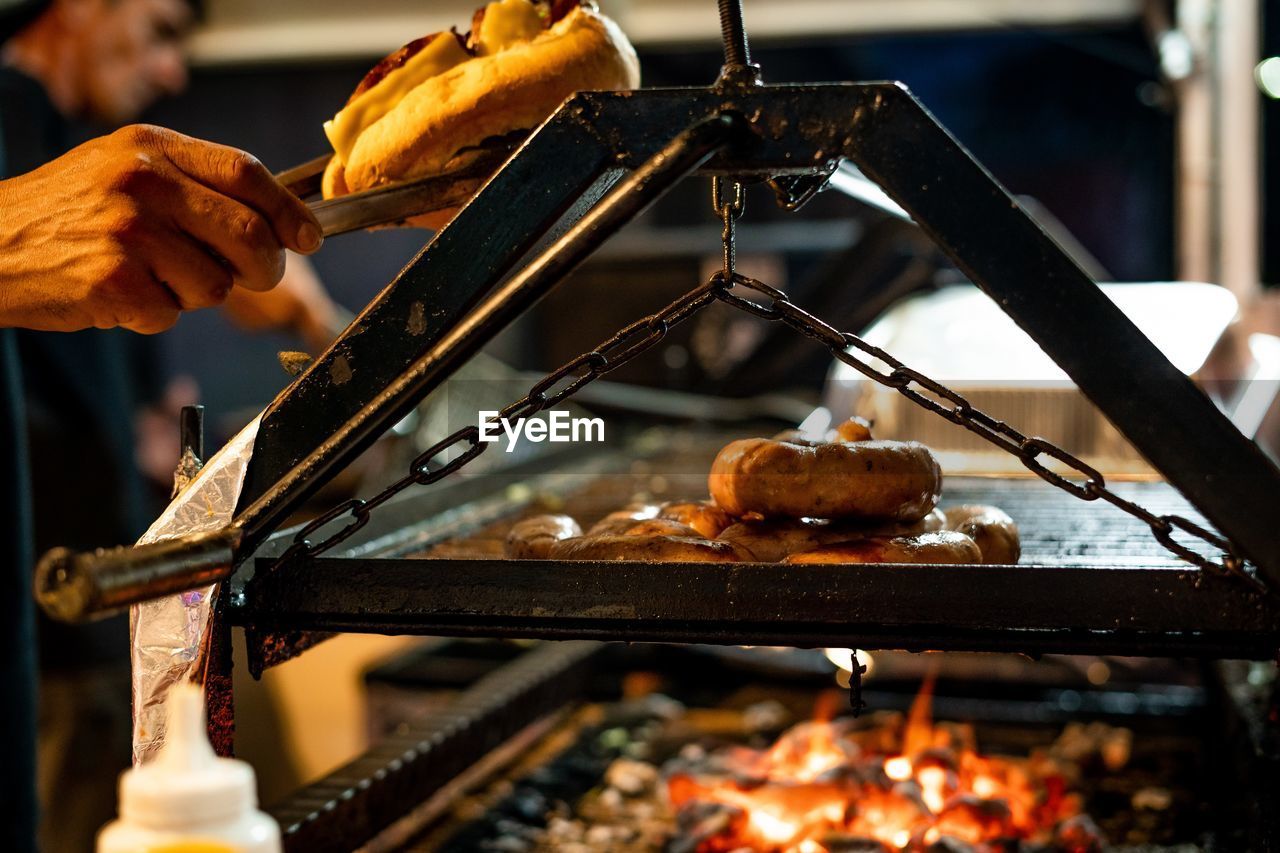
x,y
191,431
350,806
975,221
74,586
1031,608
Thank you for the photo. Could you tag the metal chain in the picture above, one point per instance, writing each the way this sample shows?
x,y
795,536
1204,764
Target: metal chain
x,y
726,286
946,403
553,388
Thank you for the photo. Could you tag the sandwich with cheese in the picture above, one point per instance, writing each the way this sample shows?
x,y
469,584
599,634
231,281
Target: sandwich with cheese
x,y
427,107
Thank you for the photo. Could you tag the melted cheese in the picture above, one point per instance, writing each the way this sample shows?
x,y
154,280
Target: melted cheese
x,y
507,23
436,58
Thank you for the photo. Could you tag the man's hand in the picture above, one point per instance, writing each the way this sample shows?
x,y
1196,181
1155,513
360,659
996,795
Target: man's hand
x,y
129,229
299,304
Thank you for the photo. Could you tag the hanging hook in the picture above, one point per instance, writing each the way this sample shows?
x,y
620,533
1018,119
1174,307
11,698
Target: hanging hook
x,y
729,211
857,669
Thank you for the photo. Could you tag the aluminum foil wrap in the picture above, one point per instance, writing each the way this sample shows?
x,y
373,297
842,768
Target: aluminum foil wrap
x,y
166,634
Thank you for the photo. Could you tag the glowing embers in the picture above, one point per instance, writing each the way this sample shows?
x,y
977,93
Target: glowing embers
x,y
883,784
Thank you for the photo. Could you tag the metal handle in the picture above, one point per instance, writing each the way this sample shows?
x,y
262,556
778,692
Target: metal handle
x,y
75,587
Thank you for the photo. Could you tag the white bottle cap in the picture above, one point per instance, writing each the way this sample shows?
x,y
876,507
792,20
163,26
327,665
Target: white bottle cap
x,y
187,783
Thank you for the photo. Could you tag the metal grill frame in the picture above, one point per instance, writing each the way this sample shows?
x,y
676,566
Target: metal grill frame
x,y
537,201
372,584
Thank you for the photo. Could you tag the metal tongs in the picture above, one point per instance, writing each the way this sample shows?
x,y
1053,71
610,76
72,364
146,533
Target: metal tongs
x,y
394,203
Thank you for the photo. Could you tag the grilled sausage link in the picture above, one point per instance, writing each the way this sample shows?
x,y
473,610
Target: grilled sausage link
x,y
531,538
771,540
641,527
620,520
649,548
895,480
942,547
703,516
991,528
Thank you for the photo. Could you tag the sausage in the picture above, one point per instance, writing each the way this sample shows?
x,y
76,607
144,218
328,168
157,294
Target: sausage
x,y
649,548
771,540
941,547
703,516
894,480
617,522
995,533
641,527
532,538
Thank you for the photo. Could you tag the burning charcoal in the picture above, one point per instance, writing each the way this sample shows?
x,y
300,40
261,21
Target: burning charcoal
x,y
1079,834
936,757
631,777
767,716
950,844
701,822
971,819
837,843
809,749
1152,799
960,736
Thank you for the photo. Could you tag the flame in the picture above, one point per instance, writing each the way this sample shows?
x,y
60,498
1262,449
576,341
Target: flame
x,y
906,783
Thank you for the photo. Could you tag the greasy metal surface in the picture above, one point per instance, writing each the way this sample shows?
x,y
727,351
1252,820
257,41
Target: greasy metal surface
x,y
351,805
1091,580
415,521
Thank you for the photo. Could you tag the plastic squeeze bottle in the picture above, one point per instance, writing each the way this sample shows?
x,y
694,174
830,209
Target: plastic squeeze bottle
x,y
188,800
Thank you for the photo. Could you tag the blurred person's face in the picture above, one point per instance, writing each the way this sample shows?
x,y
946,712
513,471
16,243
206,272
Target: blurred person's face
x,y
132,55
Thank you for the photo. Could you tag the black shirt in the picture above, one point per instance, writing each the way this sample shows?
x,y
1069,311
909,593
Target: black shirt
x,y
67,403
81,393
17,634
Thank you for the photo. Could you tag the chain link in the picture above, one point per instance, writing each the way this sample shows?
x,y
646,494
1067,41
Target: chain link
x,y
728,286
611,354
955,408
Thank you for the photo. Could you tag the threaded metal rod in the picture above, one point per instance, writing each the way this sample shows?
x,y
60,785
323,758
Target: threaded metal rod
x,y
734,32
